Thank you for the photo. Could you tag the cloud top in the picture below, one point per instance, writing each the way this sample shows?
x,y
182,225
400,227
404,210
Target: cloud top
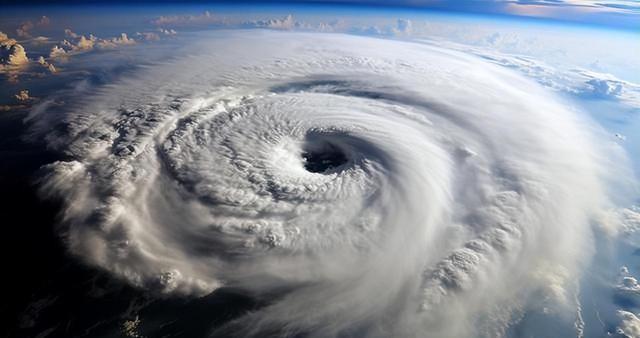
x,y
447,194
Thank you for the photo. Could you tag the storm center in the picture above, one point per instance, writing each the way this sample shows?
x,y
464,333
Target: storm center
x,y
322,158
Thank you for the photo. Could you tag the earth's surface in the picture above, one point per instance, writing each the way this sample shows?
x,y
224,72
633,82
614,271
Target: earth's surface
x,y
463,169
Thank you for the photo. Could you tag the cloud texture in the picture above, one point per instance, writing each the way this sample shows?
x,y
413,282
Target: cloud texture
x,y
365,187
12,54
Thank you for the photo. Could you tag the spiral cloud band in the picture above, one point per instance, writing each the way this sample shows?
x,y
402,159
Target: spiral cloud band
x,y
368,187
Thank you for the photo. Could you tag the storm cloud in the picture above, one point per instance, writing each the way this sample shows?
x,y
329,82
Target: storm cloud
x,y
379,188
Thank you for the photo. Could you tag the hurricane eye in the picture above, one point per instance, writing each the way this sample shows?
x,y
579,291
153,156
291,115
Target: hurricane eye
x,y
323,157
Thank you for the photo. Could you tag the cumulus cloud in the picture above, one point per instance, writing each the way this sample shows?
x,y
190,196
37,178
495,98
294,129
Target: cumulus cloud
x,y
12,54
205,18
602,85
57,52
285,23
69,33
627,289
130,328
23,95
575,81
82,43
208,19
148,36
630,219
43,62
404,26
629,284
123,39
605,88
629,326
25,28
400,28
85,43
157,35
167,31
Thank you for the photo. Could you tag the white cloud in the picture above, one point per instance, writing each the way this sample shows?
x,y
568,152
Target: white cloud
x,y
189,20
605,88
57,52
229,198
148,36
69,33
620,6
23,95
574,81
630,220
115,42
40,40
629,326
42,61
85,44
167,31
24,30
404,26
627,286
12,54
285,23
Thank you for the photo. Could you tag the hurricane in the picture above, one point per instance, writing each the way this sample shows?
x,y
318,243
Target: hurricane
x,y
360,186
